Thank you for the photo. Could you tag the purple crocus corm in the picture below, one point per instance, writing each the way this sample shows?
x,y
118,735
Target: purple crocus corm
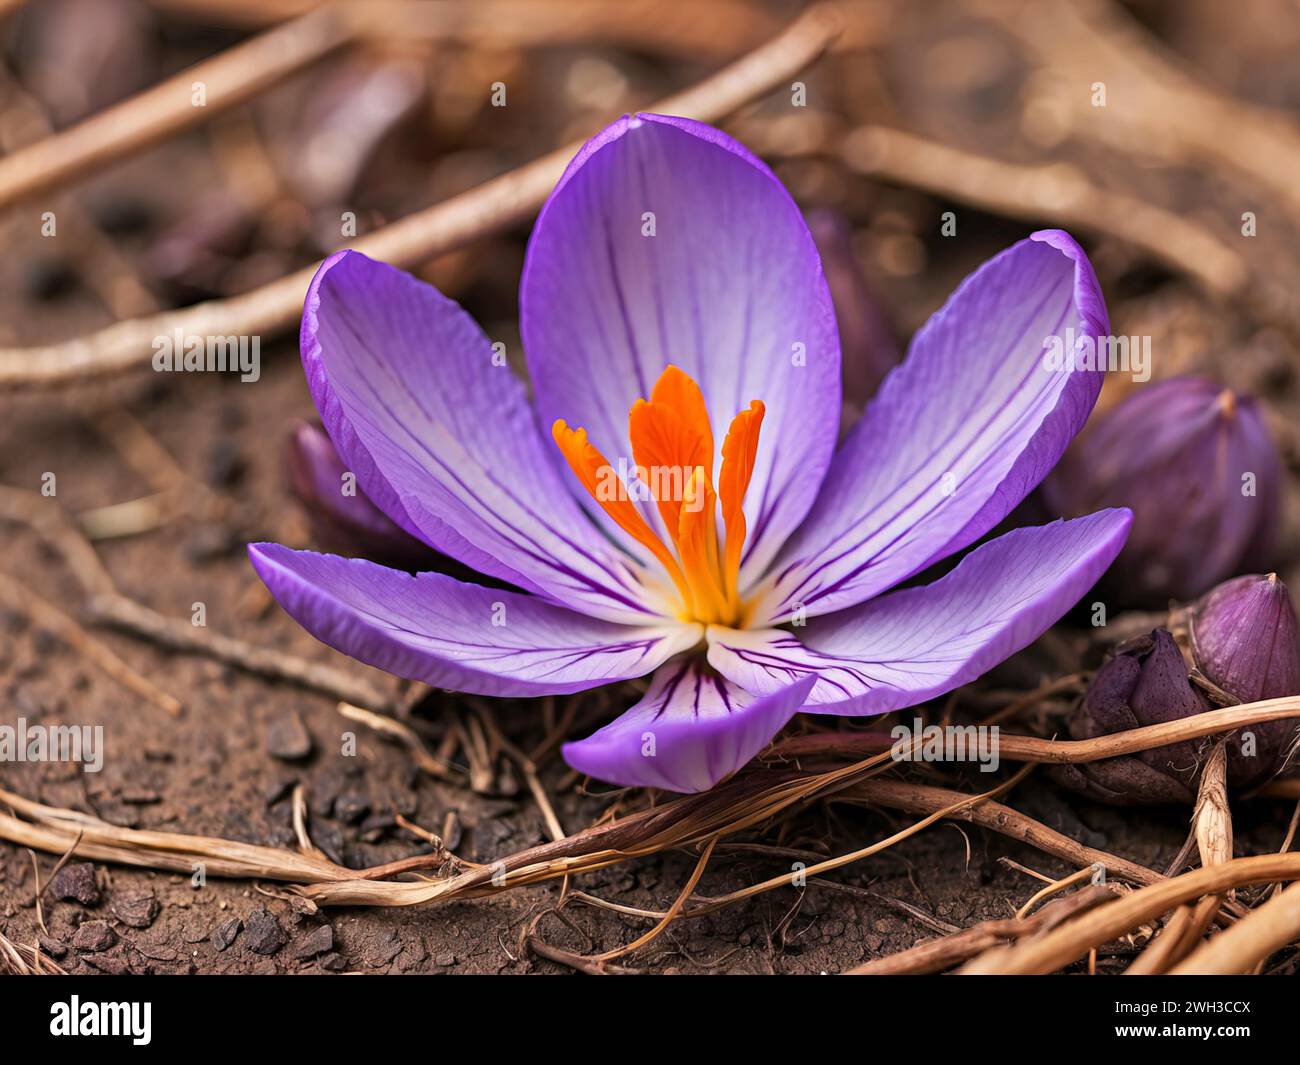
x,y
671,274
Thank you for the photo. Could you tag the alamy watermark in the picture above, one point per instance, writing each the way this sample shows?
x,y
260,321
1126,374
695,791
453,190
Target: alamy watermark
x,y
53,743
191,353
133,1020
661,484
1119,354
920,742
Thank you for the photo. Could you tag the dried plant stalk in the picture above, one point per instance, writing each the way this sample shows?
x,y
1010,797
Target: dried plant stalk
x,y
49,521
1212,828
1059,191
58,830
501,202
920,799
19,959
1250,941
936,955
403,734
752,798
1033,749
18,597
1072,941
1213,816
230,78
1153,107
244,70
179,635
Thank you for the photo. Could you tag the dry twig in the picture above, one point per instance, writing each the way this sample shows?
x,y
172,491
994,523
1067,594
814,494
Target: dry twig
x,y
1072,941
1250,941
492,206
179,635
937,955
21,599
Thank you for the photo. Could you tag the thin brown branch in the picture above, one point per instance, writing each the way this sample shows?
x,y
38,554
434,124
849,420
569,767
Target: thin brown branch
x,y
577,962
21,599
492,206
1033,749
1072,941
54,830
301,819
526,766
937,955
1154,108
177,634
1059,191
673,910
1250,941
49,521
100,264
922,799
230,78
403,734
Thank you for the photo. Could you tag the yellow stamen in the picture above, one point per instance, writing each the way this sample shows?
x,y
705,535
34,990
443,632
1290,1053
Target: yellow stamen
x,y
672,446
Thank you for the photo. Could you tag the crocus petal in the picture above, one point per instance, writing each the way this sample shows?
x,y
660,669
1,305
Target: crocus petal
x,y
441,437
915,644
957,435
437,629
729,288
690,729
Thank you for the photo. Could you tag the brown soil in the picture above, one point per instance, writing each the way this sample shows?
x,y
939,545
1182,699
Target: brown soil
x,y
211,771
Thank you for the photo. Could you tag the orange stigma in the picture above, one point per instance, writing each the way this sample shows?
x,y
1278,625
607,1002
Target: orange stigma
x,y
672,448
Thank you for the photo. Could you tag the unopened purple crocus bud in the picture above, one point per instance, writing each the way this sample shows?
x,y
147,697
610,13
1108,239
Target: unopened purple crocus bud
x,y
343,520
1245,639
1146,684
1195,464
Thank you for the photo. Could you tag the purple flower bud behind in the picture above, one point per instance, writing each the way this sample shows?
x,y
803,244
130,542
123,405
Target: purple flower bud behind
x,y
1195,464
1245,639
343,520
1147,684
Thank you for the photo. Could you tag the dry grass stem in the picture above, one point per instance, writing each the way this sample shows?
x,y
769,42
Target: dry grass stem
x,y
1212,830
492,206
1055,888
22,600
1074,940
230,78
430,763
177,634
1033,749
938,955
301,819
1060,191
1248,942
920,799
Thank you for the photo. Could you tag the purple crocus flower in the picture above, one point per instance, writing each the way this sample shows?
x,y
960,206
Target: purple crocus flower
x,y
671,274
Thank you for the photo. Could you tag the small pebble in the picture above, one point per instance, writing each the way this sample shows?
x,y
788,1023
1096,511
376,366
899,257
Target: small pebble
x,y
224,934
287,738
76,881
263,933
93,936
53,947
135,908
317,941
